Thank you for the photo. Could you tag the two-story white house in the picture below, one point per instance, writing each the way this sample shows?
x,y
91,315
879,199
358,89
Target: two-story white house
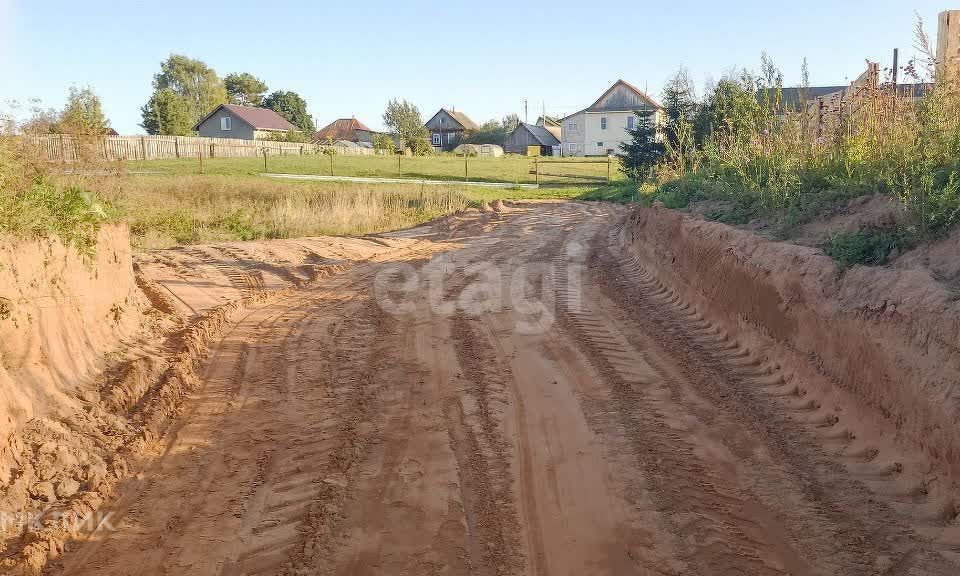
x,y
600,129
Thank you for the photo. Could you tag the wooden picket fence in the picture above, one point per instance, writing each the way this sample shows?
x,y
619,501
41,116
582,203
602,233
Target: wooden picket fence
x,y
68,148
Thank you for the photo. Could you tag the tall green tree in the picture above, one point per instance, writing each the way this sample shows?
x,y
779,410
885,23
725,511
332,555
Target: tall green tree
x,y
733,108
679,104
196,86
404,121
245,89
167,113
493,131
83,114
292,107
644,150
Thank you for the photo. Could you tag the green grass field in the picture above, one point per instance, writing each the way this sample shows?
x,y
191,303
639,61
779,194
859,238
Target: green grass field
x,y
569,172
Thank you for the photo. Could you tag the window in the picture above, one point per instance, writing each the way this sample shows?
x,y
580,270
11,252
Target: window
x,y
436,140
630,122
572,146
225,123
603,122
572,126
599,144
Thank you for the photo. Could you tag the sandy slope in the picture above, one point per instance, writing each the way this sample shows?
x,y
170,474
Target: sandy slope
x,y
503,393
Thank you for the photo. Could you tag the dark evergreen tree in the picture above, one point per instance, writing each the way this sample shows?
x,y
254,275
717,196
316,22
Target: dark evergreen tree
x,y
641,153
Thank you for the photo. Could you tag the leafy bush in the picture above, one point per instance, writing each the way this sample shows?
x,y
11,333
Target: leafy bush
x,y
72,214
867,247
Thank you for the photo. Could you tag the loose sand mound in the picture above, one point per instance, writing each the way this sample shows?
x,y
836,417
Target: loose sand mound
x,y
889,336
60,315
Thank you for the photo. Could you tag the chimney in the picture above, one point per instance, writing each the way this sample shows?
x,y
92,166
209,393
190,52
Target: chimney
x,y
948,43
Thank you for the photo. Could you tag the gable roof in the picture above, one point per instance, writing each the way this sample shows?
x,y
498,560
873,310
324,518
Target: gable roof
x,y
599,107
548,121
459,117
257,118
543,136
342,129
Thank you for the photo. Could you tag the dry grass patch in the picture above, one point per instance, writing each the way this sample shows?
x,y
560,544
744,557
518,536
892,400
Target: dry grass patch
x,y
166,211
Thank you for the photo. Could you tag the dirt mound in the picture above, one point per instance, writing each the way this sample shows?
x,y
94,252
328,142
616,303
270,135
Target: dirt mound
x,y
888,336
60,314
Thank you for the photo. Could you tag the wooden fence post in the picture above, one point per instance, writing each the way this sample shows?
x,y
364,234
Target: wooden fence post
x,y
200,155
536,168
143,148
176,146
265,159
608,168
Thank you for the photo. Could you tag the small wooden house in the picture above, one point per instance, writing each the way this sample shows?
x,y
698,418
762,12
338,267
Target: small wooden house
x,y
526,135
447,127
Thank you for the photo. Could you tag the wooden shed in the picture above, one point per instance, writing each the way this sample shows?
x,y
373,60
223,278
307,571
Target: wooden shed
x,y
526,135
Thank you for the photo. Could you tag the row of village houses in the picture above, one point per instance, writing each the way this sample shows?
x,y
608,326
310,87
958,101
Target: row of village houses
x,y
597,130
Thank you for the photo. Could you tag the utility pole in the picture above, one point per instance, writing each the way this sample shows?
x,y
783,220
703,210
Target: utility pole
x,y
896,58
526,119
896,63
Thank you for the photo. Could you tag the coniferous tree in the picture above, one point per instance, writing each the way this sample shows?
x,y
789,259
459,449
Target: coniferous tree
x,y
641,153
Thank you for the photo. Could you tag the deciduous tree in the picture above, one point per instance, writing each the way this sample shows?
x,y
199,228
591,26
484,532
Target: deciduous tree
x,y
167,113
83,114
195,85
292,107
245,89
403,119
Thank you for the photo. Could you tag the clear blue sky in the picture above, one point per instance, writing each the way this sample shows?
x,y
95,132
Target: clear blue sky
x,y
482,57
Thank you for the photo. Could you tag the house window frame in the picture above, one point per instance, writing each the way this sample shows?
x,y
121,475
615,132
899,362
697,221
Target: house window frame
x,y
571,146
572,126
603,122
630,122
226,124
437,139
599,144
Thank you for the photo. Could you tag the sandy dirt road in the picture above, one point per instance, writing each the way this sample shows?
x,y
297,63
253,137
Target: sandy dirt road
x,y
523,399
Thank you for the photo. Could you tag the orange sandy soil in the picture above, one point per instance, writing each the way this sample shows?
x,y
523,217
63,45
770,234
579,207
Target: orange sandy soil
x,y
651,399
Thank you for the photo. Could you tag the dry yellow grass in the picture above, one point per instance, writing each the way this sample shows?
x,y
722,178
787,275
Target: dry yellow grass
x,y
164,211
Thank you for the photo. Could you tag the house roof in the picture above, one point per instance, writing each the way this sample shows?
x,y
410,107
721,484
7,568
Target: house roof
x,y
257,118
461,118
543,136
791,96
548,121
595,107
598,107
342,129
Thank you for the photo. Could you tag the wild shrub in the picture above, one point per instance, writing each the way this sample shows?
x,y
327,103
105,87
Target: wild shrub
x,y
761,154
869,247
34,203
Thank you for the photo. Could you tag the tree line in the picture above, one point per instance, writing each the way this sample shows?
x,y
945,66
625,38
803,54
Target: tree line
x,y
186,89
